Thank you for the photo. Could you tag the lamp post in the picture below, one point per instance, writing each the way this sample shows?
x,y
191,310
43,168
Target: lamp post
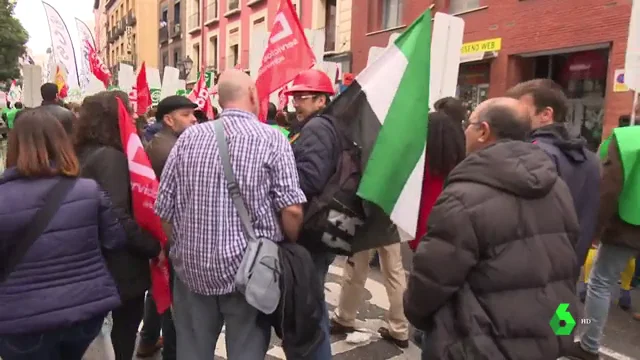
x,y
185,67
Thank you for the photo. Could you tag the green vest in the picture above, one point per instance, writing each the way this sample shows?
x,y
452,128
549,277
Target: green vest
x,y
282,130
11,116
628,139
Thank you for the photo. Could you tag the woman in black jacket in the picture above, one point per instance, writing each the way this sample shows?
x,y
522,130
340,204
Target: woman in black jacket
x,y
103,159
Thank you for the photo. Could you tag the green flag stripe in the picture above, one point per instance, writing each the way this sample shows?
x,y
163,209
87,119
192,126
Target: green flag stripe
x,y
403,135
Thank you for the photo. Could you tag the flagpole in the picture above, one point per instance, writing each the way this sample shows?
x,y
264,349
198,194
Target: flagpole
x,y
633,109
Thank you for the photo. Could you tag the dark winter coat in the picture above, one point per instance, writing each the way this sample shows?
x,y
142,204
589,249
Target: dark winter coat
x,y
297,320
497,260
316,148
63,278
580,169
130,266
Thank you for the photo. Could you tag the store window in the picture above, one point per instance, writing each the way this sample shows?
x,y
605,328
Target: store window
x,y
473,83
583,76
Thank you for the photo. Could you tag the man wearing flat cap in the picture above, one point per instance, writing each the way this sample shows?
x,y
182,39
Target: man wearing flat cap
x,y
175,114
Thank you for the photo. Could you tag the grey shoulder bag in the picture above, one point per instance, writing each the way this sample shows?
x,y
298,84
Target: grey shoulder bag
x,y
258,277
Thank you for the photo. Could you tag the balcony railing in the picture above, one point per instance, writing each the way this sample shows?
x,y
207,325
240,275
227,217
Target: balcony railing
x,y
175,29
212,10
163,34
193,23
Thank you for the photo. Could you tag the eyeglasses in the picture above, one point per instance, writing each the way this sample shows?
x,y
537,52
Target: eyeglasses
x,y
468,123
298,98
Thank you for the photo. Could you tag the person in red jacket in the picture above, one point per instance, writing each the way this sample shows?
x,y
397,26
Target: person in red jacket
x,y
445,149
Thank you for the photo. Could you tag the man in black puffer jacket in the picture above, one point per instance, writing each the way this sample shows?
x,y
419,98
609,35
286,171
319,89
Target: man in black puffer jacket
x,y
498,257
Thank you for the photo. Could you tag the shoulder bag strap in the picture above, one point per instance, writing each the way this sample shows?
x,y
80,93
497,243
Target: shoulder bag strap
x,y
38,224
232,184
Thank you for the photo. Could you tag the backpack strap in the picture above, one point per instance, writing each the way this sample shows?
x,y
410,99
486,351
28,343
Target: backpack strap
x,y
35,228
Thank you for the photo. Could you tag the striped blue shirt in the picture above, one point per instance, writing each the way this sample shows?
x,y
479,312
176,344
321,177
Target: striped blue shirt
x,y
209,242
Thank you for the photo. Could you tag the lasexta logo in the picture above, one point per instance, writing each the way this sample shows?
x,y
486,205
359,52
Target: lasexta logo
x,y
562,322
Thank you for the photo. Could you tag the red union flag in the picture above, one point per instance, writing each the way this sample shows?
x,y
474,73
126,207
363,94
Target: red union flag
x,y
287,54
98,68
144,190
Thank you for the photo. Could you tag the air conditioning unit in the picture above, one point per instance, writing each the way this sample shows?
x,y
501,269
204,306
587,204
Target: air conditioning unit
x,y
176,29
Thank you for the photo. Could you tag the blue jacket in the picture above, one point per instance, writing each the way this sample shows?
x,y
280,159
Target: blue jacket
x,y
152,130
580,169
63,278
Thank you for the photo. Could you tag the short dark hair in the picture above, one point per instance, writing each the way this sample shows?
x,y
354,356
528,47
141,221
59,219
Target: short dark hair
x,y
49,91
506,122
38,146
545,93
18,105
452,107
271,113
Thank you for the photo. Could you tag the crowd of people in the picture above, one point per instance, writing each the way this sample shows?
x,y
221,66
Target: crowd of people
x,y
511,208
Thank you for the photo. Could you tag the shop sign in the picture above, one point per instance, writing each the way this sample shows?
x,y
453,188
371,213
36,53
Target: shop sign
x,y
481,46
618,81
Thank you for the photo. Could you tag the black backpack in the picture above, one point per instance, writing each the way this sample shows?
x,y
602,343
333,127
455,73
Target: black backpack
x,y
336,214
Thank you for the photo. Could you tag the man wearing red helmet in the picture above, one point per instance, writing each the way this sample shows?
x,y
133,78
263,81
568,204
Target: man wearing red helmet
x,y
316,148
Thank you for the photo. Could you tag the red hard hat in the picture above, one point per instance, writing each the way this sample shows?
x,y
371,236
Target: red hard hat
x,y
311,80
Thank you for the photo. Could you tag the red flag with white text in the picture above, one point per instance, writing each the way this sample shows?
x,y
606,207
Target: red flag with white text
x,y
98,68
288,53
200,95
144,190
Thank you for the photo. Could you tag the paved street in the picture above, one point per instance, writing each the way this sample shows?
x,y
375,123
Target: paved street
x,y
620,343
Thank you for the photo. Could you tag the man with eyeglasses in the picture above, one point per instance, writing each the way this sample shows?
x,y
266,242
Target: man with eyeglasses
x,y
316,148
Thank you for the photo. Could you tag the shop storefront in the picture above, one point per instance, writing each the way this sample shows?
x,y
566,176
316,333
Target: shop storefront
x,y
475,71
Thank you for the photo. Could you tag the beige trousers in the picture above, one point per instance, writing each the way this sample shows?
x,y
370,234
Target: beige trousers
x,y
354,276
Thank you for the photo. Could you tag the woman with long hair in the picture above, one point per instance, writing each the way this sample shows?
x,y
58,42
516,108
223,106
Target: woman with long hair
x,y
102,158
55,288
445,149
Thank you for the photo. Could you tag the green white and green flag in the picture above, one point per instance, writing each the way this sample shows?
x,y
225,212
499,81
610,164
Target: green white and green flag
x,y
385,111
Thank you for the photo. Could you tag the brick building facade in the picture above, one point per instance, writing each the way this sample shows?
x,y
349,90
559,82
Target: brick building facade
x,y
579,44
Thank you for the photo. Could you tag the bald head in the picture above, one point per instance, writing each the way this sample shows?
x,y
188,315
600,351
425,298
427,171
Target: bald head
x,y
237,90
508,118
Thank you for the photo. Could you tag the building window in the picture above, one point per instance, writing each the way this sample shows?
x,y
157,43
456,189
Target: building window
x,y
234,51
330,25
165,17
392,13
213,52
196,56
176,12
458,6
233,5
176,57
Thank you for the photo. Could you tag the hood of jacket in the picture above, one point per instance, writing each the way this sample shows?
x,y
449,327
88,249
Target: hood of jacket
x,y
152,130
516,167
557,135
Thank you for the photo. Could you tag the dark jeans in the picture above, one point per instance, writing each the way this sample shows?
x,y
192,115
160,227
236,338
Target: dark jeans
x,y
126,320
322,261
59,344
153,322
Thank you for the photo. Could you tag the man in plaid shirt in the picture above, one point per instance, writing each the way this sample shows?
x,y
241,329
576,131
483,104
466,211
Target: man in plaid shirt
x,y
209,242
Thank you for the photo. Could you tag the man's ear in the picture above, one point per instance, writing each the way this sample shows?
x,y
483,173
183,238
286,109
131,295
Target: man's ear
x,y
167,119
485,132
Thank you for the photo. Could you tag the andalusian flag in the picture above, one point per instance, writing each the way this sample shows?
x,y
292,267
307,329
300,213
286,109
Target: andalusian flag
x,y
385,111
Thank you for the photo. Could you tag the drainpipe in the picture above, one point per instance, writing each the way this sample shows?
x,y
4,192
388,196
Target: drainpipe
x,y
203,36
